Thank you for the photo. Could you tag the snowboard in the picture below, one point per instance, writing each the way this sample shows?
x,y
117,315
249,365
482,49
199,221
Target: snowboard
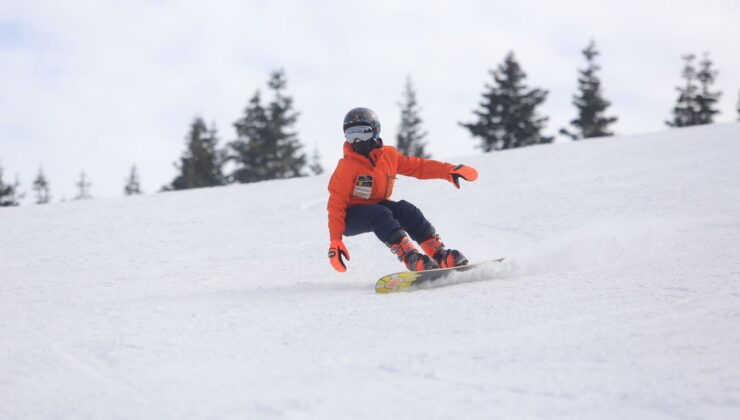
x,y
411,280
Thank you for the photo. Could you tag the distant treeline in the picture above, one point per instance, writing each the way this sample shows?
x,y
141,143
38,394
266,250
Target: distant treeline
x,y
268,147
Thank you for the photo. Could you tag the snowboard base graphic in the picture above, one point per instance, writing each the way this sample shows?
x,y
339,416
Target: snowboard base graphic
x,y
412,280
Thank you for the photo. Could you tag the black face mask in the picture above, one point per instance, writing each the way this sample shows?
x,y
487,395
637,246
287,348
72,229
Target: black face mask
x,y
367,146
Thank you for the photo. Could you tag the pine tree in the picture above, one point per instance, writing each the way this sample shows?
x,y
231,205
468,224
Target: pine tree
x,y
266,146
251,150
83,188
686,109
738,106
707,99
201,163
41,188
315,165
591,105
9,195
410,137
696,103
133,185
507,116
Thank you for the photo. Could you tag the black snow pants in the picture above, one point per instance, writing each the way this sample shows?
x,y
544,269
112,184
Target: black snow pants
x,y
386,218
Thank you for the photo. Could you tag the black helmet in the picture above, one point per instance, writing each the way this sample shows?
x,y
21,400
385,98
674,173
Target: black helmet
x,y
361,124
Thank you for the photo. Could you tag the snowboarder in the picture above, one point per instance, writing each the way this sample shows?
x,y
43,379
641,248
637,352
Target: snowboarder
x,y
359,197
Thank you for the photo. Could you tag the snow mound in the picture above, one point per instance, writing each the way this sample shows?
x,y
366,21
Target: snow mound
x,y
619,296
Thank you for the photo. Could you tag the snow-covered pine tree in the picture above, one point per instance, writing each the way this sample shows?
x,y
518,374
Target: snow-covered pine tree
x,y
685,112
133,185
591,105
410,136
201,163
266,146
507,117
9,195
83,188
707,99
41,188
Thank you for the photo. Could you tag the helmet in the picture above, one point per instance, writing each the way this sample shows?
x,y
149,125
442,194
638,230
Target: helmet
x,y
361,124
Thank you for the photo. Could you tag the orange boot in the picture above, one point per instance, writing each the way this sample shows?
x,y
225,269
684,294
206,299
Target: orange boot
x,y
434,248
404,249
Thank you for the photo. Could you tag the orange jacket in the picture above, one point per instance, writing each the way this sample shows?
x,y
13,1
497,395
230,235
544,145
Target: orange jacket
x,y
359,180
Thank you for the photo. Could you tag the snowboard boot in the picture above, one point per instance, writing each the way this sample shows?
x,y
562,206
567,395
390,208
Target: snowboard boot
x,y
445,258
404,249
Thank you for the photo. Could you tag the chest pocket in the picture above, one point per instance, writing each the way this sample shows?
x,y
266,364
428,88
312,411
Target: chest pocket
x,y
363,186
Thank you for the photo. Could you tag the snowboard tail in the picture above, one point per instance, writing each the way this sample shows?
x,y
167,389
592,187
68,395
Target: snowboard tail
x,y
411,280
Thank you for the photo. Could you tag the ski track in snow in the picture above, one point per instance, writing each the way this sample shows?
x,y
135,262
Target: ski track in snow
x,y
619,296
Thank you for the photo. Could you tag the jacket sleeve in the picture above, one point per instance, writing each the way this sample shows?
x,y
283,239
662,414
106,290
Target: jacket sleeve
x,y
422,168
340,188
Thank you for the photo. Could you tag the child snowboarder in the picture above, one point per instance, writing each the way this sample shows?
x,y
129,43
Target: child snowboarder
x,y
359,197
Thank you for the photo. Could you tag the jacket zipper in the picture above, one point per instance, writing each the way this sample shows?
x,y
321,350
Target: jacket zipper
x,y
387,182
372,162
387,177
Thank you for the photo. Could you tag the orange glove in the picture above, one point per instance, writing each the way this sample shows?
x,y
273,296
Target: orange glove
x,y
336,251
467,173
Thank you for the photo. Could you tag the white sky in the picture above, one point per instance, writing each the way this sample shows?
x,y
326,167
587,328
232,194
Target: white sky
x,y
102,85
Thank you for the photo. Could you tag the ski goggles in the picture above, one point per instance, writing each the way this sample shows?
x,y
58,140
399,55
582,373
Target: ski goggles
x,y
359,133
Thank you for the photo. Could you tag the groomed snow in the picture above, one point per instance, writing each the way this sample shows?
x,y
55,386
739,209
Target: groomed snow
x,y
620,297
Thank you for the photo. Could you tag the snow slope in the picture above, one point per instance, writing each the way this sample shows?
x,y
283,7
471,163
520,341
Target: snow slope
x,y
620,297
